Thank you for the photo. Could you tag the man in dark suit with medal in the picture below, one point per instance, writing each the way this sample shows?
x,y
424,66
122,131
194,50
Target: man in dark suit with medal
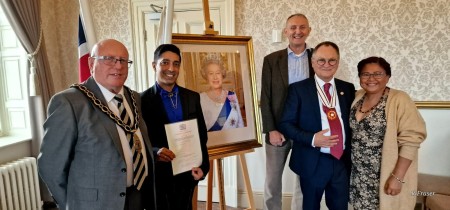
x,y
165,103
315,117
96,153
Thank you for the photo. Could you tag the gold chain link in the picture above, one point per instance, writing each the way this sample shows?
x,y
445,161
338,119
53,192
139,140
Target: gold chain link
x,y
105,109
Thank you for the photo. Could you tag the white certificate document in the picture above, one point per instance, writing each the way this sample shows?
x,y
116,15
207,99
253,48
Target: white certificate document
x,y
184,141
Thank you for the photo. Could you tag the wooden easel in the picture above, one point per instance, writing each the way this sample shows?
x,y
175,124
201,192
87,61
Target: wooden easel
x,y
219,172
209,30
209,25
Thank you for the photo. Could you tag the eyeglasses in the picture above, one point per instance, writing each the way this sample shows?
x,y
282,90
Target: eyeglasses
x,y
323,61
377,75
111,61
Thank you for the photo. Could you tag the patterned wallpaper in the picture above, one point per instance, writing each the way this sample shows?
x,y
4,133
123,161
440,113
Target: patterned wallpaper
x,y
413,35
112,20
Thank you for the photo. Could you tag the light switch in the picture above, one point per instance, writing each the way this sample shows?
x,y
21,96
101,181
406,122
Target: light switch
x,y
276,35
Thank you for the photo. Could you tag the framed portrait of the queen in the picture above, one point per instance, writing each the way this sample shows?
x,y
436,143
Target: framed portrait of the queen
x,y
221,69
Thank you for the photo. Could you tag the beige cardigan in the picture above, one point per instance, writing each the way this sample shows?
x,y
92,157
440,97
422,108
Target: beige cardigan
x,y
405,130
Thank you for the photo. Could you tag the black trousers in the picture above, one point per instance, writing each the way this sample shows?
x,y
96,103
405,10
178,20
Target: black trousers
x,y
330,177
133,199
176,195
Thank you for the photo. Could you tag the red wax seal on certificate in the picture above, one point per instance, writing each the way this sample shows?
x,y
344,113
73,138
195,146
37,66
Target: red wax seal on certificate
x,y
331,114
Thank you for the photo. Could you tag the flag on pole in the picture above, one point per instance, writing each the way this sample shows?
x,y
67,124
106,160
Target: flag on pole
x,y
165,24
83,53
161,37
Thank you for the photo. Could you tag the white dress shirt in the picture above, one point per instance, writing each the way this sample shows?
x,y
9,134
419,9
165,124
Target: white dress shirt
x,y
323,115
112,104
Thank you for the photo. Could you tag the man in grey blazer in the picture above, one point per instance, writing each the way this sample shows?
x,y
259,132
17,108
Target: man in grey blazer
x,y
280,69
86,158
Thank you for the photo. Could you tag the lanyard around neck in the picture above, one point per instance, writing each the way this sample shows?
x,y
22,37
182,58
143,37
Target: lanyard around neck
x,y
330,104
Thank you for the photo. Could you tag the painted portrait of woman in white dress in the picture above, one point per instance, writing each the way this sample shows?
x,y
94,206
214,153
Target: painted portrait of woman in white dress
x,y
222,70
220,106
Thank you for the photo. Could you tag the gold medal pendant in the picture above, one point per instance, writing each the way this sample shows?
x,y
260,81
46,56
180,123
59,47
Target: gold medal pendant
x,y
331,114
137,143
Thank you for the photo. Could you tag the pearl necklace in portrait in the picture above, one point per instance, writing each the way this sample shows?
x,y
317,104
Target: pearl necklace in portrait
x,y
217,98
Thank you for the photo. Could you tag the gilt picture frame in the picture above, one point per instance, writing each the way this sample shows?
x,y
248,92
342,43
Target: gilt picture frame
x,y
228,131
433,104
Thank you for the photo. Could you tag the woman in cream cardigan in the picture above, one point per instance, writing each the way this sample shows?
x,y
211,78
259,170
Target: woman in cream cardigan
x,y
387,130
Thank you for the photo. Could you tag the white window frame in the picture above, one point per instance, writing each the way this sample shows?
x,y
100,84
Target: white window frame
x,y
14,106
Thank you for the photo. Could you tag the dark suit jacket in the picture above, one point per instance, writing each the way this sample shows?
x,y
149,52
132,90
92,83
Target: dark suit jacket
x,y
155,116
274,88
81,158
301,120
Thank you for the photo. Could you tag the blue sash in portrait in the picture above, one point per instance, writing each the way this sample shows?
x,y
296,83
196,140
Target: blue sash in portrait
x,y
223,115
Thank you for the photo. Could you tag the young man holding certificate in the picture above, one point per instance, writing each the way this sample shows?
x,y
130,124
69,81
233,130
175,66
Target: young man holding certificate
x,y
177,131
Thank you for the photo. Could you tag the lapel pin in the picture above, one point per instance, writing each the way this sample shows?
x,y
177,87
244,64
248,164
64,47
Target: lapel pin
x,y
342,93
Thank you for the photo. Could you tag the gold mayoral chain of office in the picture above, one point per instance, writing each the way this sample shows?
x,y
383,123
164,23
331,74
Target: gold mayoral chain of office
x,y
331,105
105,109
